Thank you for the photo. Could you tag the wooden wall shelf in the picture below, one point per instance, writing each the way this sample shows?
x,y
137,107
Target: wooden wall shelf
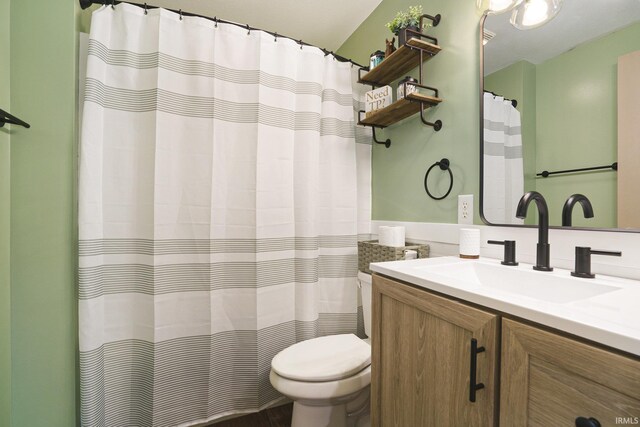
x,y
400,62
410,55
399,110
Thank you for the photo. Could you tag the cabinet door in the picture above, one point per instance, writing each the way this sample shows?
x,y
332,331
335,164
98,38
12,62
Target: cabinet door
x,y
550,380
421,359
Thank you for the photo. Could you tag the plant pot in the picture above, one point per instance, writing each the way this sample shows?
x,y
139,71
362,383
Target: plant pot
x,y
403,36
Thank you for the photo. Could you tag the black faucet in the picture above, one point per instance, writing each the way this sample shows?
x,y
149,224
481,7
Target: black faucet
x,y
567,209
543,247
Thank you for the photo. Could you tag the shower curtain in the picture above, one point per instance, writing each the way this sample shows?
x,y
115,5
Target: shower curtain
x,y
223,187
503,173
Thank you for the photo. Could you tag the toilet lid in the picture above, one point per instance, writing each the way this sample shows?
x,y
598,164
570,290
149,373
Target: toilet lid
x,y
323,359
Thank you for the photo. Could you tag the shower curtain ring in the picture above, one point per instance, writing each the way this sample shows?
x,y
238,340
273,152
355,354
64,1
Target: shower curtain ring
x,y
275,39
113,4
300,42
180,12
145,9
248,30
215,19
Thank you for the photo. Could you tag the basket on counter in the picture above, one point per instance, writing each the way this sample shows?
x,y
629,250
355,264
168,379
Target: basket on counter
x,y
371,251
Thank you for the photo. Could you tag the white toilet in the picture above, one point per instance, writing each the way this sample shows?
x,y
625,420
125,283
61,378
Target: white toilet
x,y
328,377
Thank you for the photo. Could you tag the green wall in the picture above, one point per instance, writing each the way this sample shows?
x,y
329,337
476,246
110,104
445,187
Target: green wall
x,y
5,215
398,172
43,244
562,99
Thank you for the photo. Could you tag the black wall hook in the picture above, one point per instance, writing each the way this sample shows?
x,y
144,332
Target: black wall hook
x,y
444,165
12,120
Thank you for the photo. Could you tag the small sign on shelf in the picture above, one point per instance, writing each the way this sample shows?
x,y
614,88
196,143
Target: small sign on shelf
x,y
377,99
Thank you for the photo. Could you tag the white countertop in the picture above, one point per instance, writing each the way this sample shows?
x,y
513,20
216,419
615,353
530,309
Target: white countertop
x,y
611,318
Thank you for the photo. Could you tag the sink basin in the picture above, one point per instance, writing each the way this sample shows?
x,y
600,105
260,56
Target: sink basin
x,y
553,287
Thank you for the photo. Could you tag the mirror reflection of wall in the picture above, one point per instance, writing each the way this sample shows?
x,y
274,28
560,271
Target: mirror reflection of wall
x,y
564,78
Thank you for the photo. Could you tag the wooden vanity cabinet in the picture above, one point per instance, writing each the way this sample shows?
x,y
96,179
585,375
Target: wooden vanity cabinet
x,y
421,363
421,359
551,380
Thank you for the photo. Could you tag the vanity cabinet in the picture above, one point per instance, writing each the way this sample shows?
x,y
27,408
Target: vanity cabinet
x,y
550,380
422,359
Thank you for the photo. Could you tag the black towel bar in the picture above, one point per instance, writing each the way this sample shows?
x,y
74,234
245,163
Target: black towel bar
x,y
613,166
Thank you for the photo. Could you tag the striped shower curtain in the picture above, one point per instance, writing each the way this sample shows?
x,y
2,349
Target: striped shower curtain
x,y
503,175
223,186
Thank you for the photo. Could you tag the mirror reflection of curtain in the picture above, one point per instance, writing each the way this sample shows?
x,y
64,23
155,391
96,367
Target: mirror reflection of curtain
x,y
503,167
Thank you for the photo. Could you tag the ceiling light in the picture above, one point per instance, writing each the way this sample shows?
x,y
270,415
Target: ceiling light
x,y
497,6
534,13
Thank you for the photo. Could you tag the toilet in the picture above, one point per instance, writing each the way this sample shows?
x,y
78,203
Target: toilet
x,y
328,377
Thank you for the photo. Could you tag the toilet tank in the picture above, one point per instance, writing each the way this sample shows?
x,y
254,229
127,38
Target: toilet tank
x,y
364,283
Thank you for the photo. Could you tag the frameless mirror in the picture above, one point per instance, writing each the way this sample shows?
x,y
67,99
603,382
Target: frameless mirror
x,y
576,85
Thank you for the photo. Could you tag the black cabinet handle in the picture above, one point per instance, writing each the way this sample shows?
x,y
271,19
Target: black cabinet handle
x,y
473,385
587,422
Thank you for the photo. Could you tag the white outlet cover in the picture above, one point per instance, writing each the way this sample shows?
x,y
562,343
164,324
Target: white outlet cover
x,y
465,209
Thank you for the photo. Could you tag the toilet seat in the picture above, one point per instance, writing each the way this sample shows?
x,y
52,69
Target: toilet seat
x,y
321,391
324,359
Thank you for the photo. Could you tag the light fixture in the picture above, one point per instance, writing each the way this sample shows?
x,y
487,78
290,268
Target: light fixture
x,y
498,6
534,13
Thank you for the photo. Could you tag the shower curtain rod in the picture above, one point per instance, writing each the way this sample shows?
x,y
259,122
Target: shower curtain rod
x,y
87,3
513,101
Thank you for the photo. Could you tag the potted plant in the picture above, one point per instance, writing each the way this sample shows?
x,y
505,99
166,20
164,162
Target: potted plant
x,y
406,20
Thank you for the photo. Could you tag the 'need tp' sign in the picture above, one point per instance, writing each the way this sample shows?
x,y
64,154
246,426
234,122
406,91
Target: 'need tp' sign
x,y
377,99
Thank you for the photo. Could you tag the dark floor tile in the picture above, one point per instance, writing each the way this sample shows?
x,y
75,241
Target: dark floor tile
x,y
275,417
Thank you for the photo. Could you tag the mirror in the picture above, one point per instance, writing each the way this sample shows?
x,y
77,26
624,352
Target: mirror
x,y
574,111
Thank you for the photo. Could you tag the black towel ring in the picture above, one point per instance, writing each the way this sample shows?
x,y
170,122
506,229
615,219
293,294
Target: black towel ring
x,y
444,165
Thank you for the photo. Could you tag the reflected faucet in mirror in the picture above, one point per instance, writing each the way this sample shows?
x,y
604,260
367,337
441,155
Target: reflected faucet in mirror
x,y
543,247
567,209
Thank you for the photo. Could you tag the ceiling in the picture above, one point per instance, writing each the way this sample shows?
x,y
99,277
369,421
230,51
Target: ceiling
x,y
325,23
577,22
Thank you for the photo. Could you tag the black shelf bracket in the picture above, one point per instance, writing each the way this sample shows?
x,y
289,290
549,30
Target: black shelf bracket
x,y
437,125
6,118
386,143
360,70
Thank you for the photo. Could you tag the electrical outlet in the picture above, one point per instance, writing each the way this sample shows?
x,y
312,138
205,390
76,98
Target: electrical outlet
x,y
465,209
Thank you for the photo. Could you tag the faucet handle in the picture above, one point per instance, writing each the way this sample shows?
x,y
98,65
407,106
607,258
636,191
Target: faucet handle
x,y
509,250
583,261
